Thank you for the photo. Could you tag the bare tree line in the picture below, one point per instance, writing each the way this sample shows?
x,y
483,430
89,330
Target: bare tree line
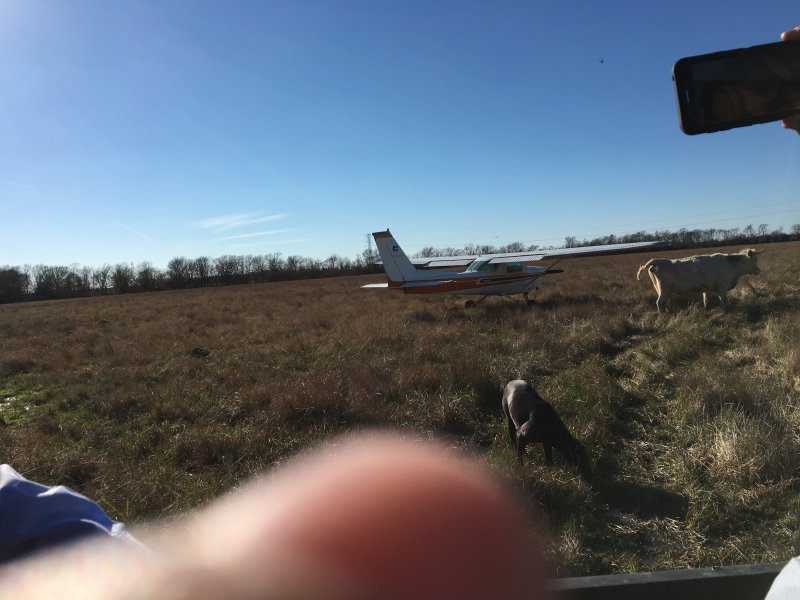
x,y
683,238
44,282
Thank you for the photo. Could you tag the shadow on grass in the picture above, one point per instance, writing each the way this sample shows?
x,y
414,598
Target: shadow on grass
x,y
496,308
758,309
753,309
626,415
575,299
488,396
424,315
642,501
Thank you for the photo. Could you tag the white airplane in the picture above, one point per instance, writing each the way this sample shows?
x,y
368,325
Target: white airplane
x,y
486,275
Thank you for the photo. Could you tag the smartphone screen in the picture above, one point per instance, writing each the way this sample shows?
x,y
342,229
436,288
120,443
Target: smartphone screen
x,y
737,88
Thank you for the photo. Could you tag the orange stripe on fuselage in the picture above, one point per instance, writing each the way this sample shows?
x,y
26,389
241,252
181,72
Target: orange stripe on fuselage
x,y
459,284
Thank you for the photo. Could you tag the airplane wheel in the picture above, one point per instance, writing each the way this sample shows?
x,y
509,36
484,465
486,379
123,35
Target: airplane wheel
x,y
469,304
531,302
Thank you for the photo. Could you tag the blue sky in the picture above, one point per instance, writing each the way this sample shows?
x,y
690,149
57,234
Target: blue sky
x,y
138,131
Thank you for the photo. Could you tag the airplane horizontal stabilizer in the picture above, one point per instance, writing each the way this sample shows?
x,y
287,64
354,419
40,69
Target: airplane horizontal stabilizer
x,y
376,285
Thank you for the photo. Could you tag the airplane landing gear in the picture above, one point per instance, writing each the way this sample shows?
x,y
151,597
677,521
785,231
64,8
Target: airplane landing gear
x,y
528,301
472,303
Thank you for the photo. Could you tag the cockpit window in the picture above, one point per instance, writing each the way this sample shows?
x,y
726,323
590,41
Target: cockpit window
x,y
483,266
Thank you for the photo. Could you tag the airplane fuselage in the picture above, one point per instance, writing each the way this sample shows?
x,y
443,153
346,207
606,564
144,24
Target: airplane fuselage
x,y
470,283
499,274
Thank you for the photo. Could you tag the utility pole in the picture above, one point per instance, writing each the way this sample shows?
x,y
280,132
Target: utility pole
x,y
369,255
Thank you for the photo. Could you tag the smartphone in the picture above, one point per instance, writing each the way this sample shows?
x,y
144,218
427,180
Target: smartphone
x,y
737,88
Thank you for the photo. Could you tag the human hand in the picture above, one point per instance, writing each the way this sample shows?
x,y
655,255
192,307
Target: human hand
x,y
792,122
369,517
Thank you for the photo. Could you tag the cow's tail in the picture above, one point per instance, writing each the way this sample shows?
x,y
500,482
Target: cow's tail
x,y
644,267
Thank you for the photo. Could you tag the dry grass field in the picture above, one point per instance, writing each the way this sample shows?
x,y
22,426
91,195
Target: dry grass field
x,y
156,403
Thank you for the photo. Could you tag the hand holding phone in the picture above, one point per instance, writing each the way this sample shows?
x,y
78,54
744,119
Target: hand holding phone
x,y
740,87
793,35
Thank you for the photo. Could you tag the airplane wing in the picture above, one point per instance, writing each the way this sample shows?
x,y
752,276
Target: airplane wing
x,y
535,255
443,262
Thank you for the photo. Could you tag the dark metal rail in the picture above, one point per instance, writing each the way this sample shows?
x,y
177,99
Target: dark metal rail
x,y
742,582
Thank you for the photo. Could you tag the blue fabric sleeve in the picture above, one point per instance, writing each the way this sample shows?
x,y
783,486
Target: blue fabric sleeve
x,y
34,516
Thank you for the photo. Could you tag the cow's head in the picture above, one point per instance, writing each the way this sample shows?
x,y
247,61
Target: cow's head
x,y
752,254
577,455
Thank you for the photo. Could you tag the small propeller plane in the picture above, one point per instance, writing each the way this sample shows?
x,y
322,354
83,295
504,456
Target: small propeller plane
x,y
504,274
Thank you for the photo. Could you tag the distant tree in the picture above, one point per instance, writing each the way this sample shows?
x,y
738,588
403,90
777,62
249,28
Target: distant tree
x,y
27,270
122,277
100,278
427,252
50,281
729,234
201,270
147,277
275,265
478,249
13,284
512,247
73,282
258,268
309,267
244,269
330,263
86,280
227,268
639,236
179,272
570,241
343,264
293,264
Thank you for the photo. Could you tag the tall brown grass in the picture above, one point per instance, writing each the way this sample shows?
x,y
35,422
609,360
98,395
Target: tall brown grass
x,y
155,403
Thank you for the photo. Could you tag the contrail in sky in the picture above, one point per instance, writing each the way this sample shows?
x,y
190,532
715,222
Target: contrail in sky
x,y
236,221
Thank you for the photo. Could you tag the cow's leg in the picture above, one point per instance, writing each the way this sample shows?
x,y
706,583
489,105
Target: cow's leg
x,y
548,453
662,302
512,430
657,286
705,300
521,448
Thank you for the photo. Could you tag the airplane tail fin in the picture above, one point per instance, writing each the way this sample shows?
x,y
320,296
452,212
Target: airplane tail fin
x,y
395,262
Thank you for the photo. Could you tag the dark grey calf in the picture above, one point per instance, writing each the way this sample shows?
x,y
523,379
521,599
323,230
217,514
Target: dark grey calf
x,y
531,419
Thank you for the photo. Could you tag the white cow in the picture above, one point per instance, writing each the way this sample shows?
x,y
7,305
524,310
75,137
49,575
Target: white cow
x,y
707,273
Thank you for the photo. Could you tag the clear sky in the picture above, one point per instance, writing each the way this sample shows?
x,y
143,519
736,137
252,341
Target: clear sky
x,y
142,130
